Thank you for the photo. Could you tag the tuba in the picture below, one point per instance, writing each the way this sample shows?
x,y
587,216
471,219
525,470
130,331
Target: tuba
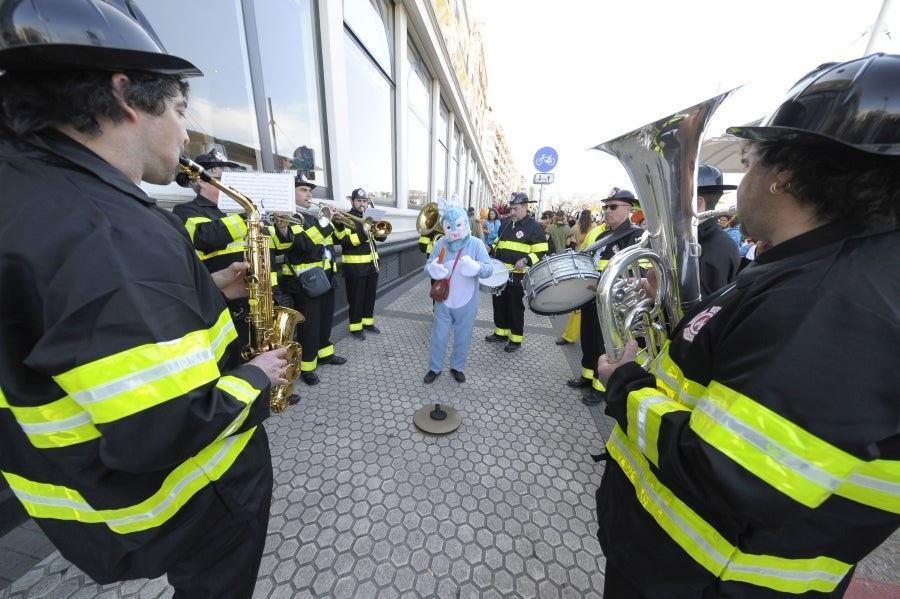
x,y
661,160
271,326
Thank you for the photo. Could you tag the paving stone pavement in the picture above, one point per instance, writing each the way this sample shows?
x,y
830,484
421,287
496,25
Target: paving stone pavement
x,y
365,505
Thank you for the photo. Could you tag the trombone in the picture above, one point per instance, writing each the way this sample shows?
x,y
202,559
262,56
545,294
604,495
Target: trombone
x,y
324,215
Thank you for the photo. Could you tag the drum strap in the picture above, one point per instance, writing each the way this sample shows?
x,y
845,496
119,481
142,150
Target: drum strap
x,y
616,236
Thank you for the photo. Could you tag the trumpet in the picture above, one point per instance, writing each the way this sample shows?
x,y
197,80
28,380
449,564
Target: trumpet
x,y
323,215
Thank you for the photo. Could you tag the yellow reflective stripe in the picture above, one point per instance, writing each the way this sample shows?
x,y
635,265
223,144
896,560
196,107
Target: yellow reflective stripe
x,y
354,238
299,268
235,247
191,224
60,423
241,391
315,235
43,500
875,483
145,376
792,460
309,366
672,381
275,241
601,264
357,258
515,338
646,408
501,332
704,543
522,248
236,225
587,373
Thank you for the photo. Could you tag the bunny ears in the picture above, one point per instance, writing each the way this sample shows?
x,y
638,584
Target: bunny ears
x,y
444,205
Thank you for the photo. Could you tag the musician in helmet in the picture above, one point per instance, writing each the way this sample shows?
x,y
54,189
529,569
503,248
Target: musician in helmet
x,y
310,241
130,432
520,243
719,258
760,454
603,243
359,258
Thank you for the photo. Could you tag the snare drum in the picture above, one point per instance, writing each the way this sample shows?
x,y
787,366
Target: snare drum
x,y
558,284
495,282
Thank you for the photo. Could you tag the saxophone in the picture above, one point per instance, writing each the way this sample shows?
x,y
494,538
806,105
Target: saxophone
x,y
271,326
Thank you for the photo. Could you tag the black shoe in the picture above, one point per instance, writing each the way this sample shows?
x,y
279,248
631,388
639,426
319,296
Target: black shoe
x,y
430,376
293,399
494,338
359,335
511,347
562,341
310,378
372,329
334,360
579,383
458,376
593,398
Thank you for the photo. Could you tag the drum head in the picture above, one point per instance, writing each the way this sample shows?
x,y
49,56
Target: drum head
x,y
499,275
563,297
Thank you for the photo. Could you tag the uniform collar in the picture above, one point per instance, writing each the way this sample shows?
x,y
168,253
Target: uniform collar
x,y
821,236
63,146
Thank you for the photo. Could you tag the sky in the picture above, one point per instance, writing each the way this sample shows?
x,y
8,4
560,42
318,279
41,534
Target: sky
x,y
571,74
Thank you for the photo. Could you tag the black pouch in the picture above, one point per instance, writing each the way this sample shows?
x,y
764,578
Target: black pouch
x,y
314,281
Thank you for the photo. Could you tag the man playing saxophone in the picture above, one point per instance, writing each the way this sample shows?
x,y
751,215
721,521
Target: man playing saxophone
x,y
129,429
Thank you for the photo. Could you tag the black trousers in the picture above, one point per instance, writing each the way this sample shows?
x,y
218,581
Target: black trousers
x,y
509,311
592,346
361,293
315,332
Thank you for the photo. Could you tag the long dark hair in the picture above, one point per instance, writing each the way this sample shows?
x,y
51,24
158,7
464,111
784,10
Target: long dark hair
x,y
841,183
496,216
584,221
35,101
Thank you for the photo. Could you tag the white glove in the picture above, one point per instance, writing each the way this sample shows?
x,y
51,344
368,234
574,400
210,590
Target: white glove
x,y
437,271
468,267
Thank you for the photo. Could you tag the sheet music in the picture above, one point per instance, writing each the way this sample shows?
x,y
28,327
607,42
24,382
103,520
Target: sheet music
x,y
271,192
376,213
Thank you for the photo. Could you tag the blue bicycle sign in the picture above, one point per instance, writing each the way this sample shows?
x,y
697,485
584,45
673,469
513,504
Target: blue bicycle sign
x,y
545,159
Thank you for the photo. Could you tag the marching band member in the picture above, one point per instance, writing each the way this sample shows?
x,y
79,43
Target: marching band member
x,y
617,234
521,243
359,258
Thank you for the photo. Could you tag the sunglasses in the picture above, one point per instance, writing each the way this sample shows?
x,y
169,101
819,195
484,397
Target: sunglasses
x,y
613,206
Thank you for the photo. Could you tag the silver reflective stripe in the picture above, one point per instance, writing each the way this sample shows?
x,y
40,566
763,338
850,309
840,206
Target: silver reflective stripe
x,y
644,407
682,396
662,506
143,377
876,484
172,495
770,447
56,426
799,575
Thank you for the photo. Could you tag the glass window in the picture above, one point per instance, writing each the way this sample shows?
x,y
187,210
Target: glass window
x,y
454,165
369,20
370,102
419,134
440,160
287,47
220,105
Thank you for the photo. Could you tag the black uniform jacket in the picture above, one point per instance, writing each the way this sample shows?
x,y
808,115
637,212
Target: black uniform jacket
x,y
760,455
217,236
719,257
123,412
356,254
520,239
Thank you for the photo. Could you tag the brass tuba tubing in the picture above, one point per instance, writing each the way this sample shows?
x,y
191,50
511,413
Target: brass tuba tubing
x,y
661,160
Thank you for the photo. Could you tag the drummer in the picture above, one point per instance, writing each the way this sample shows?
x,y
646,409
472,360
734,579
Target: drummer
x,y
618,234
520,243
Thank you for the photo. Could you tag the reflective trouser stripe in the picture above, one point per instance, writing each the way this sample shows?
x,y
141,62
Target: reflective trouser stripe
x,y
368,321
43,500
709,548
515,338
501,332
326,351
587,373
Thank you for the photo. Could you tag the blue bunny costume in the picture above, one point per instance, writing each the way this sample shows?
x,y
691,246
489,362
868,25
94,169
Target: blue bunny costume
x,y
457,313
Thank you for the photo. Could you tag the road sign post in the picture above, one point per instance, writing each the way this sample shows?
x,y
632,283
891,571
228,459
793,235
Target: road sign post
x,y
544,161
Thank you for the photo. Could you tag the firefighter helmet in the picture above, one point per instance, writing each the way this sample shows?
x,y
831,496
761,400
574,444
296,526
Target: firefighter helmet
x,y
855,104
105,34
